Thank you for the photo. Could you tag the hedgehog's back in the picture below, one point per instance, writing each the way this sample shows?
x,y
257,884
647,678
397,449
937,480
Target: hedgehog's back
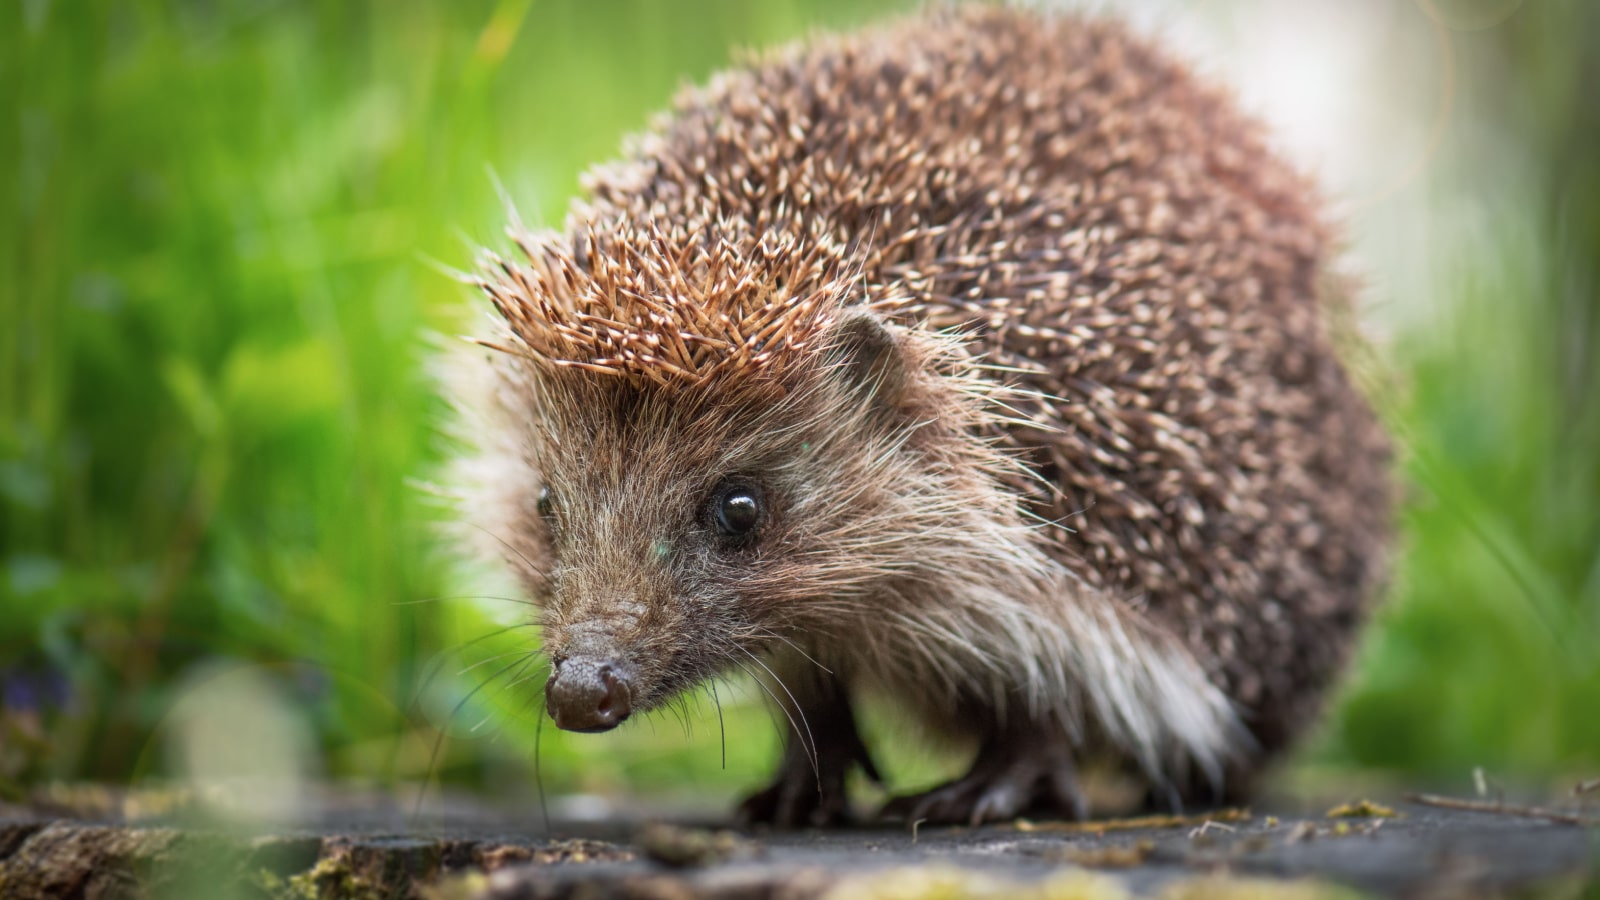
x,y
1120,233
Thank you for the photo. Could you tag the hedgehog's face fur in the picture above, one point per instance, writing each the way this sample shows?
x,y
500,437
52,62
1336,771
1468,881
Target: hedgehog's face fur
x,y
721,441
680,530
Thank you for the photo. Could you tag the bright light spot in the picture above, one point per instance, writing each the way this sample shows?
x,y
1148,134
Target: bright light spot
x,y
237,739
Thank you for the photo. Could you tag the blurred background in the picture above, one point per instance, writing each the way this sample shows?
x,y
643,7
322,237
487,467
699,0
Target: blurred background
x,y
223,226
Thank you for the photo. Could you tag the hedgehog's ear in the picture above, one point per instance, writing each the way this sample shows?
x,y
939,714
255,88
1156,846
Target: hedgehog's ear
x,y
867,356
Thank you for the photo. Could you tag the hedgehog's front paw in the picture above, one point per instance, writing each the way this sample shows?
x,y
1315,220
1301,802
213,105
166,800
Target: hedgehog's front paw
x,y
1009,778
804,794
798,797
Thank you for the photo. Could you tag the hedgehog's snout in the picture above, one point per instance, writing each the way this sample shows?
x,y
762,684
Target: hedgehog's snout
x,y
589,694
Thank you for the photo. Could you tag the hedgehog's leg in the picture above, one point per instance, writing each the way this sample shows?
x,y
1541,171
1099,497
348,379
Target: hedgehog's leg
x,y
1016,772
1236,788
823,745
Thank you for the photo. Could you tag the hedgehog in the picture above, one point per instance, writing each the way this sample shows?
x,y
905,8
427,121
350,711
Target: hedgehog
x,y
984,362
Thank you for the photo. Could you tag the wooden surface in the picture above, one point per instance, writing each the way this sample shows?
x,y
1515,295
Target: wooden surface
x,y
374,849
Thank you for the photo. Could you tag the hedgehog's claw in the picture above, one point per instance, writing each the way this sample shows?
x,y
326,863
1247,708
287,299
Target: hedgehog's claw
x,y
1008,779
803,794
799,797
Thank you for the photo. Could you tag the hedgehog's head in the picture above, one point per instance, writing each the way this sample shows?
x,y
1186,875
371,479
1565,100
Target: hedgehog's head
x,y
715,465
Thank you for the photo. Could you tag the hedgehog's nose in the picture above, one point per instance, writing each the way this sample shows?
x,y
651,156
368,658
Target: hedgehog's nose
x,y
588,695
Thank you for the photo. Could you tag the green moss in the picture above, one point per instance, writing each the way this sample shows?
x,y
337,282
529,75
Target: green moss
x,y
332,879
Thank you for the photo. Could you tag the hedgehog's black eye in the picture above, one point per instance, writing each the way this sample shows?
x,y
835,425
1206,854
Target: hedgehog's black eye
x,y
546,504
737,511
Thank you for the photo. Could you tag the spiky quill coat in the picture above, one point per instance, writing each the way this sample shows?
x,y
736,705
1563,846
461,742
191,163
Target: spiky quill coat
x,y
1108,478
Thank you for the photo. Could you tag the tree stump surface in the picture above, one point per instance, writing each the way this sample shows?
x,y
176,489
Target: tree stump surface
x,y
377,851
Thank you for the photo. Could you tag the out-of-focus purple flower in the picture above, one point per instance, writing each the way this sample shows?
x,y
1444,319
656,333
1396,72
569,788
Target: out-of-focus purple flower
x,y
33,689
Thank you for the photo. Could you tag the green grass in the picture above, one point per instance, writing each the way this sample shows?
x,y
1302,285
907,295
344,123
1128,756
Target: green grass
x,y
216,296
219,221
1489,651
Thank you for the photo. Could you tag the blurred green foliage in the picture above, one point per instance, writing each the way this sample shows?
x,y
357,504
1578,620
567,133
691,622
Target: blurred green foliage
x,y
1489,654
217,221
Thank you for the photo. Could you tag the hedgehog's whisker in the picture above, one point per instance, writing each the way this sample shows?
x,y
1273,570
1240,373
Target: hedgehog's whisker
x,y
521,679
517,678
509,549
438,741
675,706
489,659
520,601
538,773
808,749
808,743
722,731
438,666
761,631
